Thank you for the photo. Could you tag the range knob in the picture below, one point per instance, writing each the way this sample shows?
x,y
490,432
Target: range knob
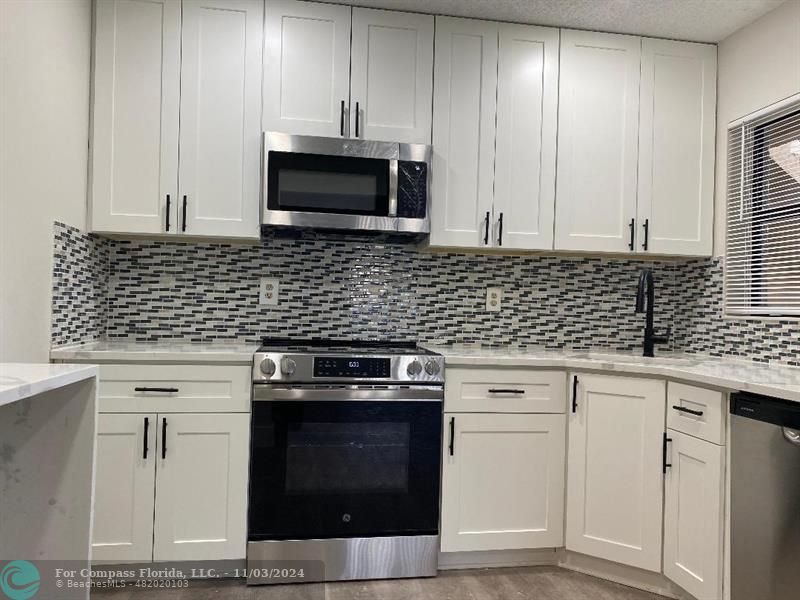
x,y
267,367
432,367
288,366
414,368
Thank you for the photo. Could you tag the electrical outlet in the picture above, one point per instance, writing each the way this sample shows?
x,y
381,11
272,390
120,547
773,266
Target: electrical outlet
x,y
268,291
494,299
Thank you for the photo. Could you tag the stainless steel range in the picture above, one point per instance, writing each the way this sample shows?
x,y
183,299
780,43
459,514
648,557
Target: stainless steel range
x,y
345,460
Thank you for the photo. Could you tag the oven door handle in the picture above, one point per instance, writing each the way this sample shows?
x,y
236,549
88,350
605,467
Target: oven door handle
x,y
267,393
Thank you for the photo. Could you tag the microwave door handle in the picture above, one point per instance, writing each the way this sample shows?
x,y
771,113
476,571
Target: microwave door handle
x,y
393,166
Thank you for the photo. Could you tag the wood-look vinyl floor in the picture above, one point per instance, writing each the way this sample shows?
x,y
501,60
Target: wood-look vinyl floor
x,y
522,583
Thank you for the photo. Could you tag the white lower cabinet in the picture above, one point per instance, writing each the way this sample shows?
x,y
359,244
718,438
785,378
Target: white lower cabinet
x,y
123,500
615,477
171,487
503,481
693,513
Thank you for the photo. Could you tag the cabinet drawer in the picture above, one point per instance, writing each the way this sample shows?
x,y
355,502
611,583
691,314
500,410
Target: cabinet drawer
x,y
696,411
174,388
505,391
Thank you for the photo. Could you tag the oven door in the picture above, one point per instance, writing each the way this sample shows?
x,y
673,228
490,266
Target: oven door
x,y
344,463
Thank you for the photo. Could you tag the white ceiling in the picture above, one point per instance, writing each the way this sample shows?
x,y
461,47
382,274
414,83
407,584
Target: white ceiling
x,y
696,20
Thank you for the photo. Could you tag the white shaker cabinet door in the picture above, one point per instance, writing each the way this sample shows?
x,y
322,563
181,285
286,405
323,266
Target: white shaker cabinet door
x,y
201,504
527,111
503,483
124,488
136,88
464,110
220,136
676,147
615,478
598,121
306,68
693,516
391,86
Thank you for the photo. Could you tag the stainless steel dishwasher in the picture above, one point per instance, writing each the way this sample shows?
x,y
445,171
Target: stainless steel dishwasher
x,y
765,498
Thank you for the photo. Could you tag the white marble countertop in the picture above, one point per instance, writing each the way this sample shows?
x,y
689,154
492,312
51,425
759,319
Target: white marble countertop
x,y
106,351
771,380
23,380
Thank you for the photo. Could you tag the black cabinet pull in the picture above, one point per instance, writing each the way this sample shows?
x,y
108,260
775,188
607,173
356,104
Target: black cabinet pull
x,y
664,453
357,115
505,391
500,232
452,434
486,231
164,390
164,438
632,226
184,213
146,435
341,120
646,227
168,207
682,409
575,394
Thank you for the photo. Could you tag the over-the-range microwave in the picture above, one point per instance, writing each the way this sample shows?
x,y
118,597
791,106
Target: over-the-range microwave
x,y
335,183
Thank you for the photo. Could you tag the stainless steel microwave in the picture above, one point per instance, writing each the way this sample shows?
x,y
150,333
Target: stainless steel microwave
x,y
334,183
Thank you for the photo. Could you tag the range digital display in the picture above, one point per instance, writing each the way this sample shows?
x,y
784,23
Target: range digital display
x,y
360,367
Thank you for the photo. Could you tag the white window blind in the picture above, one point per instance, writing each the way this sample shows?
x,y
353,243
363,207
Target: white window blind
x,y
762,264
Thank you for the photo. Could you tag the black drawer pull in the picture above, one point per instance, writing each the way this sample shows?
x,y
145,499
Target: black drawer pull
x,y
452,434
164,438
341,120
165,390
504,391
682,409
632,226
664,453
146,435
575,394
183,227
168,209
486,231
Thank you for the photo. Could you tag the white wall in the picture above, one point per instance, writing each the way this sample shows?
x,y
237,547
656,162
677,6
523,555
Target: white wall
x,y
758,66
44,130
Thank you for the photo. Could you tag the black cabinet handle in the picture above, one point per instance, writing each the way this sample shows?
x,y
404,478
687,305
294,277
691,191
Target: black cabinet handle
x,y
500,232
341,120
357,115
505,391
164,390
452,434
682,409
664,453
632,225
184,213
146,435
168,207
646,227
486,231
164,438
575,394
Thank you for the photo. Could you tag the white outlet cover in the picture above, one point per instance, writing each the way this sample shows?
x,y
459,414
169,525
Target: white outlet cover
x,y
494,299
268,291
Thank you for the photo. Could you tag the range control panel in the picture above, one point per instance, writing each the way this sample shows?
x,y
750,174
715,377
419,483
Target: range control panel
x,y
352,367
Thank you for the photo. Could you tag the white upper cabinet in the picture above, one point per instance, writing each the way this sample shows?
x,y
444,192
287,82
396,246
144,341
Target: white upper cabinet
x,y
598,124
615,478
220,136
392,76
693,515
306,68
525,161
136,88
464,110
676,147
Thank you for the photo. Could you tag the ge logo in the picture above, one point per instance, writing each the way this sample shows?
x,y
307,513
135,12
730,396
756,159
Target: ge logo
x,y
20,580
346,517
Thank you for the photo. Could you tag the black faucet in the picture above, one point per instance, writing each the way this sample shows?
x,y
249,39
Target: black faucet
x,y
646,286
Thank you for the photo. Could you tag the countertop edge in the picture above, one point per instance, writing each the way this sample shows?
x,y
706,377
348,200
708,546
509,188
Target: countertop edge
x,y
43,382
234,356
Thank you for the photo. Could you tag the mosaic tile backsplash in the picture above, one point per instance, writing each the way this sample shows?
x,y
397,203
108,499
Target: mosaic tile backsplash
x,y
354,286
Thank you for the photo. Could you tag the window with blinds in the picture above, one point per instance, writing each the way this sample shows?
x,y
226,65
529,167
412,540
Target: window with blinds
x,y
762,264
